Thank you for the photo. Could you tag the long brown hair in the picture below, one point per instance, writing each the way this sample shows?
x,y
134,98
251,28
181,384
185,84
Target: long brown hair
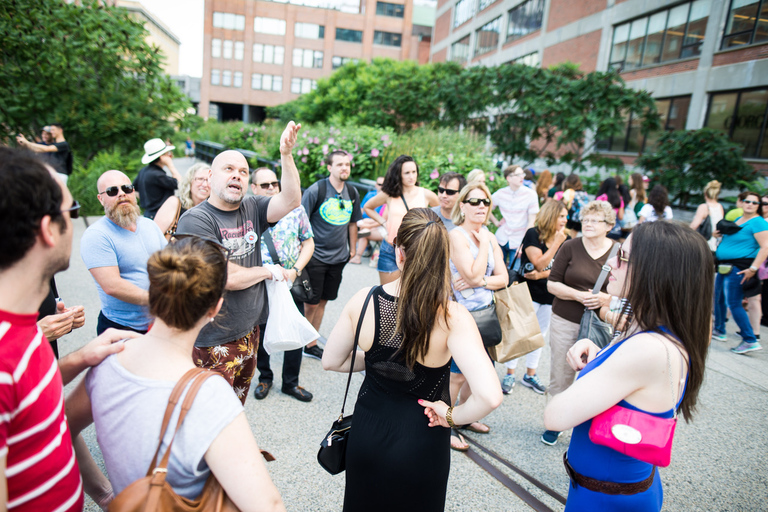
x,y
636,180
546,219
543,184
425,283
676,295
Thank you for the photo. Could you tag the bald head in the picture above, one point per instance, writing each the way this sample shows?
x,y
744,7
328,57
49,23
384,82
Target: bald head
x,y
229,180
230,157
111,178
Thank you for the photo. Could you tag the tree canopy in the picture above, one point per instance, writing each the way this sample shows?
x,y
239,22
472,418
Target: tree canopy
x,y
87,67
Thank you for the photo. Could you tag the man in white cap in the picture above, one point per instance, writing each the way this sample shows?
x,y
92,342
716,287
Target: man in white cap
x,y
152,183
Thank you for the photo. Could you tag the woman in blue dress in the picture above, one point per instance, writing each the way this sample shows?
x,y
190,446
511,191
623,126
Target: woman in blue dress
x,y
657,367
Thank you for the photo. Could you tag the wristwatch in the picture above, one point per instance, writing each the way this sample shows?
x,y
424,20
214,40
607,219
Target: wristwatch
x,y
298,271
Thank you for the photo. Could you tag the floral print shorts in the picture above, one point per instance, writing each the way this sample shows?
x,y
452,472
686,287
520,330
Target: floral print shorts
x,y
235,361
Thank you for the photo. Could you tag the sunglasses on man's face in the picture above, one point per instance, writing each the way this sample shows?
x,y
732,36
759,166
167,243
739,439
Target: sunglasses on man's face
x,y
447,191
265,186
112,191
74,210
751,202
475,201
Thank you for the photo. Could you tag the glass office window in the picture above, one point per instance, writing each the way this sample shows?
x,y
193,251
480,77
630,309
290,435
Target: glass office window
x,y
532,59
674,116
268,54
460,50
747,23
239,50
463,11
487,38
742,116
309,30
307,58
272,26
227,50
262,82
215,77
387,38
337,62
524,19
482,4
667,35
216,48
388,9
302,85
349,35
228,21
237,80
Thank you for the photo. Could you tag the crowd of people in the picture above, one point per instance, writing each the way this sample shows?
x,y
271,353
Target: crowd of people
x,y
184,286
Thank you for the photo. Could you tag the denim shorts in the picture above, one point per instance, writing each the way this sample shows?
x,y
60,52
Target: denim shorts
x,y
387,261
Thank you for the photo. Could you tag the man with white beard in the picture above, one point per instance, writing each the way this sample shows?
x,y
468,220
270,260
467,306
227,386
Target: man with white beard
x,y
115,250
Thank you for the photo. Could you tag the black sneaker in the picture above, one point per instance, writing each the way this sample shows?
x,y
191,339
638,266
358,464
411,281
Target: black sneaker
x,y
299,393
549,437
315,352
262,390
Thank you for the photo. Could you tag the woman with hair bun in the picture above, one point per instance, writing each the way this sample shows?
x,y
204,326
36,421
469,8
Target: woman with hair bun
x,y
710,211
410,331
127,394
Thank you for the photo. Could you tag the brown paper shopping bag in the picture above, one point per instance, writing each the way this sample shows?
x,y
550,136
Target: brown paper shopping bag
x,y
520,329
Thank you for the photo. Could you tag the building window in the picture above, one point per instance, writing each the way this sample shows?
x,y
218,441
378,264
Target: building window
x,y
532,59
227,52
238,79
228,21
747,23
302,85
239,49
387,38
482,4
672,34
216,48
309,31
487,38
387,9
307,58
226,78
352,36
460,50
272,26
215,77
741,115
261,82
463,11
268,54
674,116
524,19
337,62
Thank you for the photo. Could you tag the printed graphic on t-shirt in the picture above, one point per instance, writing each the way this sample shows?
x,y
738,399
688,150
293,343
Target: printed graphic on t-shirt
x,y
336,211
241,241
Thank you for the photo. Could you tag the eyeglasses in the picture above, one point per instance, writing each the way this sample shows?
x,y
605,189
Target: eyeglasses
x,y
621,257
475,201
591,221
751,202
112,191
200,180
447,191
74,210
518,174
266,186
213,243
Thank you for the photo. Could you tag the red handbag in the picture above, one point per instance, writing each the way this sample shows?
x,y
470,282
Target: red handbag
x,y
638,434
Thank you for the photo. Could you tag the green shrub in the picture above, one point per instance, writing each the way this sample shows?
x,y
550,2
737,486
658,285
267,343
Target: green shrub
x,y
82,183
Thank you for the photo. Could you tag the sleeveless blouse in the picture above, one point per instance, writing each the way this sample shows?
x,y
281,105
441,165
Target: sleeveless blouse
x,y
481,296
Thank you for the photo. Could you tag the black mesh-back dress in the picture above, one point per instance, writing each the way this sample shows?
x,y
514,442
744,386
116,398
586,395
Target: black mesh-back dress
x,y
395,461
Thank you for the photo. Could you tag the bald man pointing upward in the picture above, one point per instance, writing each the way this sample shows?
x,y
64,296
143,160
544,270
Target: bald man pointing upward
x,y
237,222
115,250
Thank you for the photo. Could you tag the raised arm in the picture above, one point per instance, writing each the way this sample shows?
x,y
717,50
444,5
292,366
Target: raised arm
x,y
289,196
33,146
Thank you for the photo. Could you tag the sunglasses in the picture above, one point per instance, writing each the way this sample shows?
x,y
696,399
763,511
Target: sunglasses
x,y
621,257
112,191
74,210
475,201
213,243
751,202
266,186
447,191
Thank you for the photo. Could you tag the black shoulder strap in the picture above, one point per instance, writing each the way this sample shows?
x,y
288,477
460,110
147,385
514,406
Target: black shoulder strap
x,y
354,346
322,187
271,247
605,270
405,203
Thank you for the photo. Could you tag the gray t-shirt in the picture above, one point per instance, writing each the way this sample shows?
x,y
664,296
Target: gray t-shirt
x,y
330,220
448,222
128,412
240,231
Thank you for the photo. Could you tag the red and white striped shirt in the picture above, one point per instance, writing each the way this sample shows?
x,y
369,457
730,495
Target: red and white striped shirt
x,y
41,470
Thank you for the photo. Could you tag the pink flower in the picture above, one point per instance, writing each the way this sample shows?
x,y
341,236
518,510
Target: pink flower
x,y
357,148
325,149
450,158
242,130
304,159
385,137
353,164
434,174
316,140
387,144
491,178
331,141
374,152
306,151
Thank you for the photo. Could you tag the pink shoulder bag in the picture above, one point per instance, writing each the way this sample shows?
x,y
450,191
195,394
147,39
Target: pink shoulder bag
x,y
637,434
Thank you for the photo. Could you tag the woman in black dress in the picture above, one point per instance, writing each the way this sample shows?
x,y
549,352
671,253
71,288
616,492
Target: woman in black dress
x,y
410,331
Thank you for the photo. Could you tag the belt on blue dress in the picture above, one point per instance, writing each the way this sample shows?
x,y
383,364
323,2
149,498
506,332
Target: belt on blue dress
x,y
607,487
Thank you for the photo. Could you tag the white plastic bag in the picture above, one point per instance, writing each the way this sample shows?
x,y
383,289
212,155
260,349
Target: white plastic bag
x,y
286,328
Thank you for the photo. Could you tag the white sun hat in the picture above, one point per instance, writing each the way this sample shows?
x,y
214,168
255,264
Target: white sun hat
x,y
153,149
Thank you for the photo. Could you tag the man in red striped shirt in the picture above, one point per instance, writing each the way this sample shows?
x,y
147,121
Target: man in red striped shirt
x,y
39,469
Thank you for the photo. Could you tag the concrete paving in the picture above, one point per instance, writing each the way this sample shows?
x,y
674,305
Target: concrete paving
x,y
718,460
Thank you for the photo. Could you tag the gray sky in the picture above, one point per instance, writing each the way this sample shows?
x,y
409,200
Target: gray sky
x,y
185,19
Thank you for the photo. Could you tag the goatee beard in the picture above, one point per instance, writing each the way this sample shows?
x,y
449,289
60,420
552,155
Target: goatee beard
x,y
124,217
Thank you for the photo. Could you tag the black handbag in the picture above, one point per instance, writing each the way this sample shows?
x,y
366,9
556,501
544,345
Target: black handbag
x,y
705,228
332,455
591,327
488,324
302,288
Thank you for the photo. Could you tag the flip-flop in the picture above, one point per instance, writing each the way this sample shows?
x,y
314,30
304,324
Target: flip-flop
x,y
475,429
458,436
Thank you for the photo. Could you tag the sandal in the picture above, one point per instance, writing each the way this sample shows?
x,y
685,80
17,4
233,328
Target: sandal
x,y
458,436
474,429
